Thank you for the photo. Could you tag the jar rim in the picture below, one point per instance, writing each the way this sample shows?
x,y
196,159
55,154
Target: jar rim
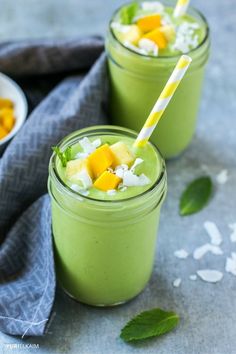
x,y
164,57
54,173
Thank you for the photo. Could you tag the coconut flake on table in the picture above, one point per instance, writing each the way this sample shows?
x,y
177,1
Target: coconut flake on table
x,y
182,254
132,180
201,251
233,233
149,46
210,275
111,192
213,232
193,277
177,282
222,177
230,265
154,6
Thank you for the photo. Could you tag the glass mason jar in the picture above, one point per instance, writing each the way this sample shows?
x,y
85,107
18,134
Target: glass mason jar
x,y
137,80
104,250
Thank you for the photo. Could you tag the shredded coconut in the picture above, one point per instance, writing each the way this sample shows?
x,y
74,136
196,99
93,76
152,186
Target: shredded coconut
x,y
201,251
210,275
84,178
233,234
222,177
185,40
177,282
182,254
213,232
87,146
137,162
131,180
149,46
193,277
111,192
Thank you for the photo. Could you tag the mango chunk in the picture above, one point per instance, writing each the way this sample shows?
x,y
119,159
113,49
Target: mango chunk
x,y
158,37
107,181
168,31
149,23
132,35
3,132
100,160
75,167
122,154
5,103
8,122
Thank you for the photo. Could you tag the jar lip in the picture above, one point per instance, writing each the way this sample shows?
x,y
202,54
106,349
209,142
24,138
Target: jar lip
x,y
101,128
164,57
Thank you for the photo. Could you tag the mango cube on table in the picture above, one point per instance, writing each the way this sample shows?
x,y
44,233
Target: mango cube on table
x,y
75,167
122,154
100,160
149,23
107,181
157,37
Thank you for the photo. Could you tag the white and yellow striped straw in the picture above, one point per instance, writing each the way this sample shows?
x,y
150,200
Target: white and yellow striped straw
x,y
163,100
181,7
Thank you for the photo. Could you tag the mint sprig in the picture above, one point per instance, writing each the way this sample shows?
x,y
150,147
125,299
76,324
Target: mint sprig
x,y
127,13
147,324
64,156
196,196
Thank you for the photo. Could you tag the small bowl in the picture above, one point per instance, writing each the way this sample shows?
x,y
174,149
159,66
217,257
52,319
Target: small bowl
x,y
10,89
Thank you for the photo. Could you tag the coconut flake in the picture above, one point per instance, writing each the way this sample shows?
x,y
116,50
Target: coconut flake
x,y
193,277
201,251
111,192
84,178
213,232
210,275
120,27
149,46
120,170
131,180
222,177
87,146
137,162
177,282
134,48
233,234
182,254
185,37
79,189
230,265
81,155
96,143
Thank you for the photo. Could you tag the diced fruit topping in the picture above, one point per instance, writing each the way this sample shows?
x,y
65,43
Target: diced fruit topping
x,y
168,31
100,160
3,132
7,119
149,23
131,35
75,167
158,37
5,102
107,181
122,154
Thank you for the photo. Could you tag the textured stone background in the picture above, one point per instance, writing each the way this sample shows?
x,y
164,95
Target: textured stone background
x,y
208,311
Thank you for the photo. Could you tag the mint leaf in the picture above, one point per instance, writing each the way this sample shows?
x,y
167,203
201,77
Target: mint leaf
x,y
147,324
63,156
196,196
127,13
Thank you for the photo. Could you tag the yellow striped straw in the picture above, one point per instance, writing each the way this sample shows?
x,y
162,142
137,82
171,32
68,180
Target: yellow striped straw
x,y
163,100
181,7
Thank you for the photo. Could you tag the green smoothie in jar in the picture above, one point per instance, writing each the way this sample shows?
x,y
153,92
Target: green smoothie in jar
x,y
106,198
144,42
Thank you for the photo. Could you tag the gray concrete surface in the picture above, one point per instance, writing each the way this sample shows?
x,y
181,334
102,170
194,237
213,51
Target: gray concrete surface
x,y
208,311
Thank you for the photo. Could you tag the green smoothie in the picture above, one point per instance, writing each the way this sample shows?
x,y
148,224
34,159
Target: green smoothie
x,y
105,238
142,50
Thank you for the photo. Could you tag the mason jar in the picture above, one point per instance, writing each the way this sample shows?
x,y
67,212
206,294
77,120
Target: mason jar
x,y
104,249
136,82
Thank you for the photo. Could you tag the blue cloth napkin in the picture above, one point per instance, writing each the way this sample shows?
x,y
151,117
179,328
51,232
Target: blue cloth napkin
x,y
27,275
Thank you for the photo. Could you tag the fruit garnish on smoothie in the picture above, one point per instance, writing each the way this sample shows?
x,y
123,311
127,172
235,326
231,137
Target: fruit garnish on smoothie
x,y
152,29
103,167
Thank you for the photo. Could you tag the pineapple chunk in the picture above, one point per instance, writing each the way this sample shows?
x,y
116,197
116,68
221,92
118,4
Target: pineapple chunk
x,y
122,155
132,35
168,31
107,181
158,37
100,160
75,167
149,23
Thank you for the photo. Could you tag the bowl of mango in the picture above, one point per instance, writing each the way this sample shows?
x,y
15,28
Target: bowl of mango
x,y
13,110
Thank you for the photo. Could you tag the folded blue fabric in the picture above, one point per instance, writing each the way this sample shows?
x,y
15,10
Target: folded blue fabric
x,y
27,275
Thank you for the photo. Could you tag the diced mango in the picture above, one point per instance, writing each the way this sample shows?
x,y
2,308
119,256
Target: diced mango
x,y
107,181
8,122
6,111
133,35
149,23
5,103
75,167
100,160
122,154
158,37
3,132
168,31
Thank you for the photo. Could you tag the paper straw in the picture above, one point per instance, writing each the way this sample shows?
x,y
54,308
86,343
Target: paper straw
x,y
163,100
181,8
